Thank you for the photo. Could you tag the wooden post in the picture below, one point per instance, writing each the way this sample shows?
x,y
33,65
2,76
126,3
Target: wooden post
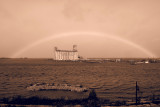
x,y
136,93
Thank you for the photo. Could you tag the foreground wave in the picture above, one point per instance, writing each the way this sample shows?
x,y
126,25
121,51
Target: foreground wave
x,y
65,87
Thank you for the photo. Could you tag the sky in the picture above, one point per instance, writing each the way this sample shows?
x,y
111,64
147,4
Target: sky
x,y
99,28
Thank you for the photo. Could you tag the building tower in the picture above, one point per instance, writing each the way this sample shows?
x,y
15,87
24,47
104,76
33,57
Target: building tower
x,y
74,47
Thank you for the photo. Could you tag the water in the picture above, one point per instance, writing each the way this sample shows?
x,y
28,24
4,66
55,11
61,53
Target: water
x,y
111,80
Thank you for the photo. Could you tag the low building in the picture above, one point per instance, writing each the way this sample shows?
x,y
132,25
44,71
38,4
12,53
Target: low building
x,y
66,54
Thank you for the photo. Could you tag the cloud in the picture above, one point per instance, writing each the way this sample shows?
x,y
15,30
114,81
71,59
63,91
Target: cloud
x,y
24,22
76,10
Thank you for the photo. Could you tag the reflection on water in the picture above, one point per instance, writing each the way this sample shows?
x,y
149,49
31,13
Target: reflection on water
x,y
110,80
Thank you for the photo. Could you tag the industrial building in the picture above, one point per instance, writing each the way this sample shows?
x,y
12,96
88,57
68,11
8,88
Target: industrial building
x,y
66,54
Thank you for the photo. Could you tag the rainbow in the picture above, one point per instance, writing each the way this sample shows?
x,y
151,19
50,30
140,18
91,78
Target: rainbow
x,y
55,36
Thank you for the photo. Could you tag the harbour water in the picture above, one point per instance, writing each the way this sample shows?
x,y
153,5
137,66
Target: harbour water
x,y
111,80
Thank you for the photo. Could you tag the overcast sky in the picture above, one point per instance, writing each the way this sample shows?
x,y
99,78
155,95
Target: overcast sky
x,y
100,28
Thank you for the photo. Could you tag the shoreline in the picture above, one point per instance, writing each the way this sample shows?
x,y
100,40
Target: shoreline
x,y
91,100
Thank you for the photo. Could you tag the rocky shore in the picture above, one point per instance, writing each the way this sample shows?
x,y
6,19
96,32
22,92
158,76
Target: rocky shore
x,y
91,101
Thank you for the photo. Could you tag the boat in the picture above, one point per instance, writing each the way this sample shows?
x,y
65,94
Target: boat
x,y
65,87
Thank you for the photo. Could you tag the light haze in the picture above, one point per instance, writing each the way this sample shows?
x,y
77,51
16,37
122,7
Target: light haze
x,y
100,28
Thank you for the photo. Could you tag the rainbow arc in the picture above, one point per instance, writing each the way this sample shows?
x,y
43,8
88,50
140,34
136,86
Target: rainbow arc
x,y
91,34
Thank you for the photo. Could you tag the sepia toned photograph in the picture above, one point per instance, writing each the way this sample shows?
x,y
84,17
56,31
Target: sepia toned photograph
x,y
79,53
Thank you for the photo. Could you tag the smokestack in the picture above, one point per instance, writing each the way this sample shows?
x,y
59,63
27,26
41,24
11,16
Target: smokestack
x,y
75,47
55,48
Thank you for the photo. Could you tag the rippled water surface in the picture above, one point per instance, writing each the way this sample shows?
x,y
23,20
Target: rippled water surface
x,y
110,79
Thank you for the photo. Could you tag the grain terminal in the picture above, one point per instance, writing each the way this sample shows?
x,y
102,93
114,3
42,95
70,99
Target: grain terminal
x,y
66,54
